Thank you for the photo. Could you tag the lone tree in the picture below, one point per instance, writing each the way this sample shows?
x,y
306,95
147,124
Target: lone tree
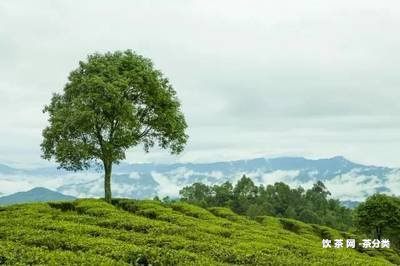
x,y
379,215
112,102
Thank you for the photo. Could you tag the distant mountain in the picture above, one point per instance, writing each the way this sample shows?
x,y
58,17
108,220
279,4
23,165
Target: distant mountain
x,y
346,180
38,194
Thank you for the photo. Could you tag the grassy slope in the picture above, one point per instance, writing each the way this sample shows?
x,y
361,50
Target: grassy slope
x,y
92,232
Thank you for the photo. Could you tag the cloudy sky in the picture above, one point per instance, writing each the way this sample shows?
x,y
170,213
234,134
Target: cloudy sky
x,y
270,78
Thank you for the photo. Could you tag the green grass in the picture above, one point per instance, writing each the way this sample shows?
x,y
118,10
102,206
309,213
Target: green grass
x,y
92,232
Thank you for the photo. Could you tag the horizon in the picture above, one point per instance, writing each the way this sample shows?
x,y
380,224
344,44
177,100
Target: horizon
x,y
54,165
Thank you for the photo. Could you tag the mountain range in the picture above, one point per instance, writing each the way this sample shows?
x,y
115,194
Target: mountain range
x,y
346,180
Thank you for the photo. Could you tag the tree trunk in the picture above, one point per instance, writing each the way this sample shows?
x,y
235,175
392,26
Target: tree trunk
x,y
107,181
378,232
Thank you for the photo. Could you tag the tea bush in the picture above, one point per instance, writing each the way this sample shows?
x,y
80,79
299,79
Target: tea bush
x,y
132,232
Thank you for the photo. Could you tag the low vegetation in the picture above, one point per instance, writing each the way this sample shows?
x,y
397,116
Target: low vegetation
x,y
129,232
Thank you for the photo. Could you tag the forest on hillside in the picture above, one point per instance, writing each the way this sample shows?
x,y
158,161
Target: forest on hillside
x,y
378,216
280,200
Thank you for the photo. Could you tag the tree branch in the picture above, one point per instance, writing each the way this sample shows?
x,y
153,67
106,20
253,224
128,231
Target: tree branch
x,y
145,132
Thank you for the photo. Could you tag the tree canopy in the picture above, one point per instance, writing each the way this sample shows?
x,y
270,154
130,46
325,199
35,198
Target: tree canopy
x,y
112,102
379,215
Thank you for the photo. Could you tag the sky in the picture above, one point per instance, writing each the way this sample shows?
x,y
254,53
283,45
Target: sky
x,y
255,78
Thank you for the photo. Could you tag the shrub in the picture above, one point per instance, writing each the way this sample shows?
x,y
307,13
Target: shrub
x,y
129,232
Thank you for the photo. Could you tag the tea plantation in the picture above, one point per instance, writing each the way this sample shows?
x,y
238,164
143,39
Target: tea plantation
x,y
128,232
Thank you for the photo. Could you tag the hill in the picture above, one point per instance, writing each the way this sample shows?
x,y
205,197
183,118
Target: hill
x,y
148,180
89,232
38,194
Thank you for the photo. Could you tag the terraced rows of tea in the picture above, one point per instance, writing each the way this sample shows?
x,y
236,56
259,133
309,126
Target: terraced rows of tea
x,y
92,232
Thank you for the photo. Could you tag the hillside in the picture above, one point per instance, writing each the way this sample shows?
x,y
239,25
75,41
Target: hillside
x,y
38,194
93,232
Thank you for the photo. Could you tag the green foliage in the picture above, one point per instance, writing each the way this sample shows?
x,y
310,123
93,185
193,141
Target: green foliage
x,y
311,206
112,102
244,195
290,225
197,193
379,216
93,232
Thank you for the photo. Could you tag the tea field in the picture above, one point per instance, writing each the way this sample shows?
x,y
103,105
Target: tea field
x,y
130,232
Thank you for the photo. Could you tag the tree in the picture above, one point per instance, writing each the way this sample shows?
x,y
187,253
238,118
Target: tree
x,y
320,188
290,212
244,194
197,193
280,197
379,214
308,216
112,102
223,194
317,197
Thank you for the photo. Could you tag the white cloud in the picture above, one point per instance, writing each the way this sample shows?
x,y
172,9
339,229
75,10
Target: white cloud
x,y
11,186
279,176
393,182
134,175
216,174
166,187
21,182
